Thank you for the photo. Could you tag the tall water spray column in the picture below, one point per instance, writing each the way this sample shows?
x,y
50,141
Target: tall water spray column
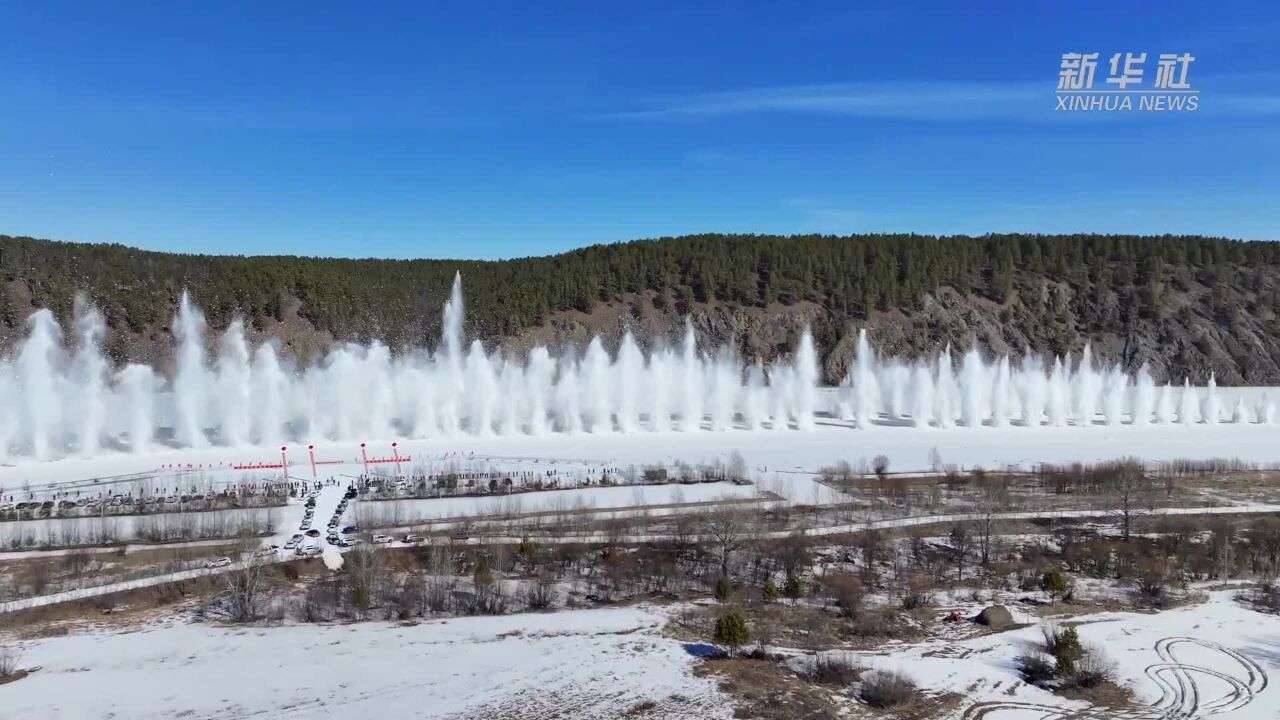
x,y
541,374
1212,410
233,396
975,398
1001,392
598,387
630,375
449,360
945,392
270,386
806,381
1188,404
38,359
1144,397
189,384
691,385
136,385
91,371
866,390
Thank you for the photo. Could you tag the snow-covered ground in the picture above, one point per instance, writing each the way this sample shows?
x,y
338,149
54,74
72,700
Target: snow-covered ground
x,y
1211,660
579,664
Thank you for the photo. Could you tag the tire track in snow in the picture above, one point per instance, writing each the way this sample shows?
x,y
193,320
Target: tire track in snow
x,y
1180,698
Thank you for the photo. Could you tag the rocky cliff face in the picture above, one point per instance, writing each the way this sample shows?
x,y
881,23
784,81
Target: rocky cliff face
x,y
1191,338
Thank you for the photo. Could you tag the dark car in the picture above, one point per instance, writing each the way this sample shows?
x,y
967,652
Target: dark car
x,y
313,533
350,529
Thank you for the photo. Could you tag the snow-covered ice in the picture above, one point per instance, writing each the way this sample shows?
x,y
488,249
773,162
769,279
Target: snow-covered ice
x,y
578,663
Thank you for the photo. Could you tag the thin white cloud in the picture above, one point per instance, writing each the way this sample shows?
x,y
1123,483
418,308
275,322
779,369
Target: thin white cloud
x,y
931,101
922,101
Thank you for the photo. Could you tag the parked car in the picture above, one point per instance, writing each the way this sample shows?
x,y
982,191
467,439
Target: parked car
x,y
217,563
313,533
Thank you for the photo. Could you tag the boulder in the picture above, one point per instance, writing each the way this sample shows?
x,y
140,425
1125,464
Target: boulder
x,y
996,617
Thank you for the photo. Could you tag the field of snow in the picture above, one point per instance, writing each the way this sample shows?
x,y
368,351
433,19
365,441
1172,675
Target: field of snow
x,y
1212,660
768,453
580,664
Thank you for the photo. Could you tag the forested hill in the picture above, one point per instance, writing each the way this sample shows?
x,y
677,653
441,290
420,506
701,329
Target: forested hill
x,y
1188,305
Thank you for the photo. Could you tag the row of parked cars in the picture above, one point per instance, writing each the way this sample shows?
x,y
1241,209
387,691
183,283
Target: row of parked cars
x,y
339,538
295,543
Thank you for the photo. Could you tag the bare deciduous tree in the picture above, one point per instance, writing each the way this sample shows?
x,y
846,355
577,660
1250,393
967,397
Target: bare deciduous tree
x,y
729,529
961,542
246,588
1129,494
365,572
8,662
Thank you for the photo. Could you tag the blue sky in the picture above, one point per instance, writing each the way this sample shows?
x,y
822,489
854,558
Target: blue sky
x,y
505,129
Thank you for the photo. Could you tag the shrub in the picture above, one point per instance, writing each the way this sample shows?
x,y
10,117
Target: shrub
x,y
1152,585
723,589
540,595
847,592
528,551
833,670
1035,668
731,630
770,591
886,689
1090,669
793,588
1055,583
1064,645
8,662
916,595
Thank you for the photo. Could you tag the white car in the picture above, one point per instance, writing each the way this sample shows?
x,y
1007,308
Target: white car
x,y
412,539
217,563
382,539
311,550
267,551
